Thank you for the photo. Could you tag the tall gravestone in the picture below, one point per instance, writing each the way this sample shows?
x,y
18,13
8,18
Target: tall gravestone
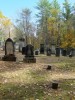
x,y
21,44
28,51
64,52
57,52
73,51
41,48
48,52
9,51
53,48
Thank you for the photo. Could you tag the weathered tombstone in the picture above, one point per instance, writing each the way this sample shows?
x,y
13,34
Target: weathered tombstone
x,y
48,52
16,46
23,50
36,52
29,54
9,51
21,44
54,85
41,48
57,52
60,51
73,52
68,50
70,54
49,67
53,48
64,52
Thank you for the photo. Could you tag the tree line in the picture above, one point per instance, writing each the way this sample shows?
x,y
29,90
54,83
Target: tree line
x,y
54,25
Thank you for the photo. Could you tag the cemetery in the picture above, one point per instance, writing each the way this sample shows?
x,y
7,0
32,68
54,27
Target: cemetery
x,y
37,58
49,77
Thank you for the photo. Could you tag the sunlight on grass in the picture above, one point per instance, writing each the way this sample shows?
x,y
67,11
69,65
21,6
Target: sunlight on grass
x,y
33,81
22,76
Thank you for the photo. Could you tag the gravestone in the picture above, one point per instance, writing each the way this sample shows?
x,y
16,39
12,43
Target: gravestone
x,y
64,52
54,84
48,52
36,52
16,46
57,52
41,48
21,44
53,48
23,50
73,52
49,67
9,51
28,51
70,54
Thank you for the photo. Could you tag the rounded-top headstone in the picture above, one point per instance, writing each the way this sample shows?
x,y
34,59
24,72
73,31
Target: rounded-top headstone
x,y
9,51
9,47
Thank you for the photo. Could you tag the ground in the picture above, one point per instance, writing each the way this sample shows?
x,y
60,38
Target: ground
x,y
32,81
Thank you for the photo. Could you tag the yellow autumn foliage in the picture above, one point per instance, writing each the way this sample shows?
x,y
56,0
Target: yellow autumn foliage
x,y
54,11
1,15
6,22
68,40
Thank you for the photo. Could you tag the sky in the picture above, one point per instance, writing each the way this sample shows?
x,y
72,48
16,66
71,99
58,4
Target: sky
x,y
12,8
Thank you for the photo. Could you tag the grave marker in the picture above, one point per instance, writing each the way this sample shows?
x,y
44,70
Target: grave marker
x,y
9,51
36,52
57,52
29,53
54,85
48,52
21,44
41,48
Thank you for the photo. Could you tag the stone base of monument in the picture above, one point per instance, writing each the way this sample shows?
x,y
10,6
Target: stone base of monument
x,y
29,60
9,58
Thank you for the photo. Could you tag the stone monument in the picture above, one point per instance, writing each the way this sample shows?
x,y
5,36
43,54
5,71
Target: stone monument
x,y
21,44
28,51
57,52
9,51
41,48
48,52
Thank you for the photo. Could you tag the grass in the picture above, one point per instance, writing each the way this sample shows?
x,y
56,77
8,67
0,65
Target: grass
x,y
41,91
20,81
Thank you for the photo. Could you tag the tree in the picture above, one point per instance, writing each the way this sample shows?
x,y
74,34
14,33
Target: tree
x,y
43,7
25,28
68,37
54,22
24,23
67,14
5,25
68,41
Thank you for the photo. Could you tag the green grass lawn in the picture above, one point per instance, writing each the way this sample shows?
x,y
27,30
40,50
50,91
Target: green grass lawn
x,y
21,81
